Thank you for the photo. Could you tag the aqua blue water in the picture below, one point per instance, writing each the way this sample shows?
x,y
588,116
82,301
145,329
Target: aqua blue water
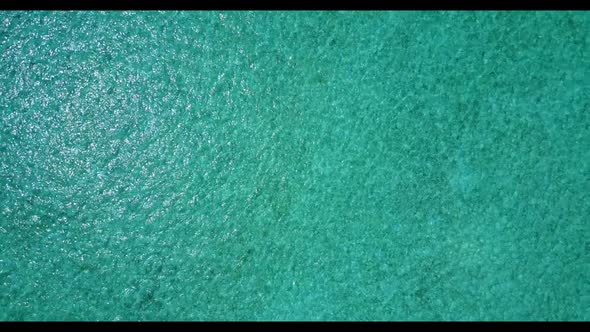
x,y
294,165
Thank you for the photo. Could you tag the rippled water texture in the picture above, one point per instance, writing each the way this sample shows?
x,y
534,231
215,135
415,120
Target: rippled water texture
x,y
294,165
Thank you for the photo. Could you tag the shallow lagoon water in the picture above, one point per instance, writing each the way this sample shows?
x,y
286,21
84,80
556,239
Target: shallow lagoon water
x,y
294,166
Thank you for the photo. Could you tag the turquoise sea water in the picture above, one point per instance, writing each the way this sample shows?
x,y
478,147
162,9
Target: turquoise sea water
x,y
294,166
